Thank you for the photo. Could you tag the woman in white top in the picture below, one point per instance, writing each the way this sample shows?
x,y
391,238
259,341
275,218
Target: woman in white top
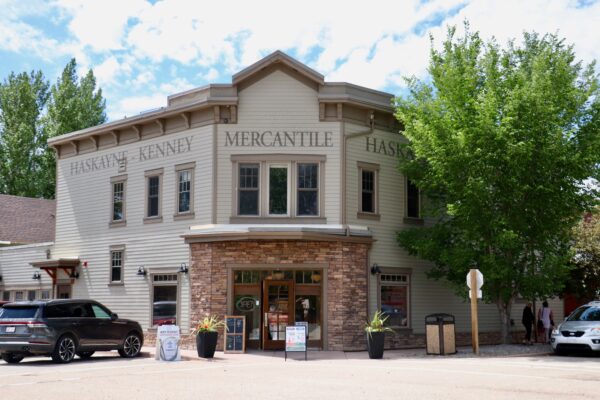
x,y
545,315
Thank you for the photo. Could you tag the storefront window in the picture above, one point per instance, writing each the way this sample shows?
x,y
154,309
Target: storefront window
x,y
249,306
164,297
308,309
394,299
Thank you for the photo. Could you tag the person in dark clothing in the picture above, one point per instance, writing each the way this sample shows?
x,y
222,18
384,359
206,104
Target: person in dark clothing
x,y
527,321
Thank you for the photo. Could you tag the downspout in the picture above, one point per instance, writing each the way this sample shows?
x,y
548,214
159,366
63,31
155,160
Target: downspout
x,y
344,194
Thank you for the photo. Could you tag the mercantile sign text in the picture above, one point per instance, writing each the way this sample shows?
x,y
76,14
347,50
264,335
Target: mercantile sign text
x,y
278,139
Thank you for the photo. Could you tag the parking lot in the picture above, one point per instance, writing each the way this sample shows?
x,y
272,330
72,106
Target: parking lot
x,y
325,374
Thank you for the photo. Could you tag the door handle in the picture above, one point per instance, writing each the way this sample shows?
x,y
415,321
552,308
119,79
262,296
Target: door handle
x,y
266,322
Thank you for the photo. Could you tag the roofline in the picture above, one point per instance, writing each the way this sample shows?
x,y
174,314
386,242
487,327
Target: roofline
x,y
278,56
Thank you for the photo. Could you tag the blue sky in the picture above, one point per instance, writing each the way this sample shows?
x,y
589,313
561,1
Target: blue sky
x,y
142,51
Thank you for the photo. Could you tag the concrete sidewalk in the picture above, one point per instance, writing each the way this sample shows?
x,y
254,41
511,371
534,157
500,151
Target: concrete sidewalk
x,y
511,350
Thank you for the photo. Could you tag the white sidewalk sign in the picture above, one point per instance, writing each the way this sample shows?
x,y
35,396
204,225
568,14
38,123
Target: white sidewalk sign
x,y
167,343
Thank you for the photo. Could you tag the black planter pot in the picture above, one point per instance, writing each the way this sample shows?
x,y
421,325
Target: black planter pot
x,y
206,343
375,343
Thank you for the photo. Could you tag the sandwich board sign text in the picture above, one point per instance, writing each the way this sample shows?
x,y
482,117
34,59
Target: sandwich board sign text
x,y
167,343
295,339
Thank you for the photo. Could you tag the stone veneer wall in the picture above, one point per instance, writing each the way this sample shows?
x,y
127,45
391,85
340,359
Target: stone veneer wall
x,y
346,306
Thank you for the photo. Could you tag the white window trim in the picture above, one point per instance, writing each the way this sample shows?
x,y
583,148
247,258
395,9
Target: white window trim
x,y
288,166
238,189
191,166
365,166
397,271
113,249
320,178
114,180
150,174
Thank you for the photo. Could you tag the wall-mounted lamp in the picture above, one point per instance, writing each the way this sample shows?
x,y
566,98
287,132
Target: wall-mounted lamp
x,y
141,271
74,274
183,268
375,269
36,276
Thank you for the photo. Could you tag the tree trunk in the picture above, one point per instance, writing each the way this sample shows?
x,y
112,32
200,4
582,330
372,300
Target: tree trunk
x,y
504,308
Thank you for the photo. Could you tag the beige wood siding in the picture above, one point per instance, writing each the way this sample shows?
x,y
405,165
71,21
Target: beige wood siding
x,y
278,102
84,211
17,272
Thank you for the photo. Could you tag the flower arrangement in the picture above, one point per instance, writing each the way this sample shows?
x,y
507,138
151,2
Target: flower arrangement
x,y
210,323
377,323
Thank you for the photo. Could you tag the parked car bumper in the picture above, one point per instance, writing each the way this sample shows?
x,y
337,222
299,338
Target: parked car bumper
x,y
26,347
562,343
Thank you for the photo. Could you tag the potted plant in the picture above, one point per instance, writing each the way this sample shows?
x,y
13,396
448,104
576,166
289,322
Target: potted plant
x,y
207,335
376,334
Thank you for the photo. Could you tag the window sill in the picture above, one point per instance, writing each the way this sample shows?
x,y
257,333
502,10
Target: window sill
x,y
277,220
152,220
366,215
413,221
179,217
116,284
117,224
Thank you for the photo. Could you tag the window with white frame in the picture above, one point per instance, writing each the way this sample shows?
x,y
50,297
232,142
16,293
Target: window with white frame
x,y
368,197
45,294
394,298
118,186
154,195
6,295
278,189
248,201
116,265
19,295
31,295
308,189
164,299
184,189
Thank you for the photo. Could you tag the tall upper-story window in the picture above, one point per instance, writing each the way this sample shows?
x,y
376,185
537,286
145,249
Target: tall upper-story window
x,y
153,195
308,189
413,201
278,189
184,197
117,212
248,202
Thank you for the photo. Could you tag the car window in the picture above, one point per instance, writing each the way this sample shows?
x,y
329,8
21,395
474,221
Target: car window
x,y
81,310
57,311
585,313
100,312
8,312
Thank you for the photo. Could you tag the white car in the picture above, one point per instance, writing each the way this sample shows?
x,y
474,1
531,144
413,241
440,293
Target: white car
x,y
580,331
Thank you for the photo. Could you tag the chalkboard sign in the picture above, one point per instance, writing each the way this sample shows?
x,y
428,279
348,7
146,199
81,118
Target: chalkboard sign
x,y
235,334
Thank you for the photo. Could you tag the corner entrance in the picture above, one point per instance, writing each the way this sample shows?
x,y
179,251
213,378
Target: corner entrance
x,y
273,299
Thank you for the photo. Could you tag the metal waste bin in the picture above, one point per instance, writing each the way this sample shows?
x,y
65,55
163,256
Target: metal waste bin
x,y
440,334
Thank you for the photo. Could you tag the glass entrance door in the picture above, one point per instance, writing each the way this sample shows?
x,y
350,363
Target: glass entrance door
x,y
278,312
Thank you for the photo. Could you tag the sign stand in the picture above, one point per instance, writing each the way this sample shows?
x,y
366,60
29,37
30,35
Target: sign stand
x,y
296,339
474,282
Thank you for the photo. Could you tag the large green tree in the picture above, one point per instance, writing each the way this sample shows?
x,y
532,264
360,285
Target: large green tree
x,y
22,142
30,113
584,281
503,142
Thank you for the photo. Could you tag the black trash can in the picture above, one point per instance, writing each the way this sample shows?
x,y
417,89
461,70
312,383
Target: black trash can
x,y
440,334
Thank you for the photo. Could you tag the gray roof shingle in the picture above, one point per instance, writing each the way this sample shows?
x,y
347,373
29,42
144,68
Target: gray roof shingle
x,y
24,220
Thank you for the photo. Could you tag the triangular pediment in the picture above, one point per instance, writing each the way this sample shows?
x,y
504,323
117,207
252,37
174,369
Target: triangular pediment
x,y
278,59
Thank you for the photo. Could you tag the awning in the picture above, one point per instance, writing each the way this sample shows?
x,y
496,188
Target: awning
x,y
52,267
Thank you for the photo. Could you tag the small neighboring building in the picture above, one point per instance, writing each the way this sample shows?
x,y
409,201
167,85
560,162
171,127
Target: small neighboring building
x,y
27,227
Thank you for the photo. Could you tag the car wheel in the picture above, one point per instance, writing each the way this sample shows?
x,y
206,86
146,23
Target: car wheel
x,y
84,355
64,352
12,358
132,345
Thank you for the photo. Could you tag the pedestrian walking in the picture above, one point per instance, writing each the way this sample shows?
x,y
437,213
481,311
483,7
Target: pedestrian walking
x,y
545,321
527,320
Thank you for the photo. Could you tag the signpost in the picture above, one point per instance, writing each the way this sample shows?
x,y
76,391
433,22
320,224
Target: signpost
x,y
475,282
295,340
167,343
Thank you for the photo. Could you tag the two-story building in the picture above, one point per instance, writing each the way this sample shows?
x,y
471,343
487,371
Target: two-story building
x,y
277,197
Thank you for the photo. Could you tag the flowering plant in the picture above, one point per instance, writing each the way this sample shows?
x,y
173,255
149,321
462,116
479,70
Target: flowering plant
x,y
377,324
210,323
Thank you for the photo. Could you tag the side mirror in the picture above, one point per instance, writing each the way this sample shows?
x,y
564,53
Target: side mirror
x,y
113,316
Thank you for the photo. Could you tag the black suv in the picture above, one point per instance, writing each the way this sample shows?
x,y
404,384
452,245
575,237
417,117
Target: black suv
x,y
62,329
